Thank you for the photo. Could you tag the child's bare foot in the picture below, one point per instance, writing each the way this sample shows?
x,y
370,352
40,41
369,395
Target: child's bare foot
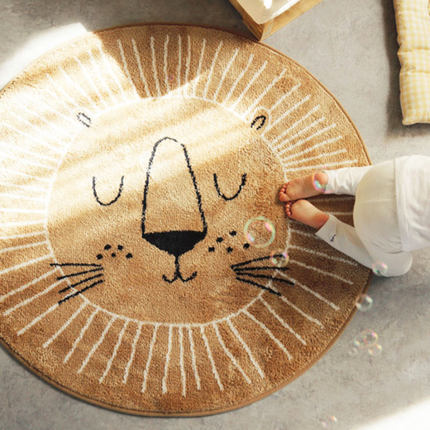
x,y
307,213
300,188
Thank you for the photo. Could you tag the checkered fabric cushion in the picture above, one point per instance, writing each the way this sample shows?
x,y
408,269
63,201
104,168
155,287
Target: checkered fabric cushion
x,y
413,27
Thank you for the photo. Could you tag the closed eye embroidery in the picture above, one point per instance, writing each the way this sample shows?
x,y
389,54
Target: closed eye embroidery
x,y
222,194
112,201
261,119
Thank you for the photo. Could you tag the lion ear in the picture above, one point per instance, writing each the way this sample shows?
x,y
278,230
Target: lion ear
x,y
258,122
261,118
84,119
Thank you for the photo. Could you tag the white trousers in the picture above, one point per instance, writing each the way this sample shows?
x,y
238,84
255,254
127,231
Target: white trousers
x,y
375,237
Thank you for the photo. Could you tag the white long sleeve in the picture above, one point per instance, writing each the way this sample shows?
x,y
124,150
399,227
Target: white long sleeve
x,y
412,175
345,180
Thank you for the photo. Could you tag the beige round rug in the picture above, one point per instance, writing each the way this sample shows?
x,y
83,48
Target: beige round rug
x,y
131,161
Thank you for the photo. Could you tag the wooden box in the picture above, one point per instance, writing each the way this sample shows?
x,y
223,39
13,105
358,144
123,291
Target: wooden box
x,y
264,17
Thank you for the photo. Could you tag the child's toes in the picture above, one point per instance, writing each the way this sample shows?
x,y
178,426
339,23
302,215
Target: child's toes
x,y
288,211
283,194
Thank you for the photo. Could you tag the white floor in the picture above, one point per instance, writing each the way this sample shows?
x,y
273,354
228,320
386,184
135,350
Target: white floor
x,y
350,46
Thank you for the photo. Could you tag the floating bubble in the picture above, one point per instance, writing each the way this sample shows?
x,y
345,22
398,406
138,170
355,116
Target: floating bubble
x,y
375,350
279,258
353,351
329,422
364,303
259,231
318,186
366,339
379,268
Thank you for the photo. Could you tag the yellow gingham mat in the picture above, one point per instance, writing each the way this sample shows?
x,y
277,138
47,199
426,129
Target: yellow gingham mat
x,y
413,27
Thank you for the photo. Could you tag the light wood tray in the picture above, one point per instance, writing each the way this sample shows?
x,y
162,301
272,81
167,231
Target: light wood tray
x,y
264,30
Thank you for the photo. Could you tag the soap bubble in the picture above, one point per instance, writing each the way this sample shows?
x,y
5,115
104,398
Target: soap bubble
x,y
353,351
366,339
279,258
364,303
375,350
318,186
259,231
329,422
379,268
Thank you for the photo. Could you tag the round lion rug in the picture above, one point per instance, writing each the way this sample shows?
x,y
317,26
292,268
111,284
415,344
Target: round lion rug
x,y
142,246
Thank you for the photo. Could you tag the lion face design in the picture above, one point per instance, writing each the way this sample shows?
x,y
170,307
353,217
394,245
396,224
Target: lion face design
x,y
153,211
131,161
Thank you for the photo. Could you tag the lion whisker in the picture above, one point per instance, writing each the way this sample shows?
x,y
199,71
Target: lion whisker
x,y
76,264
80,291
79,273
252,275
80,282
240,269
256,284
251,261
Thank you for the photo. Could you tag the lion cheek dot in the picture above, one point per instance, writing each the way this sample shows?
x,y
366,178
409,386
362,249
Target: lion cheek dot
x,y
113,253
211,249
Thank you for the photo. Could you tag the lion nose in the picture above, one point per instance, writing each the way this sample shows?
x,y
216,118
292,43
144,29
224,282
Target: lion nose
x,y
172,216
175,242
